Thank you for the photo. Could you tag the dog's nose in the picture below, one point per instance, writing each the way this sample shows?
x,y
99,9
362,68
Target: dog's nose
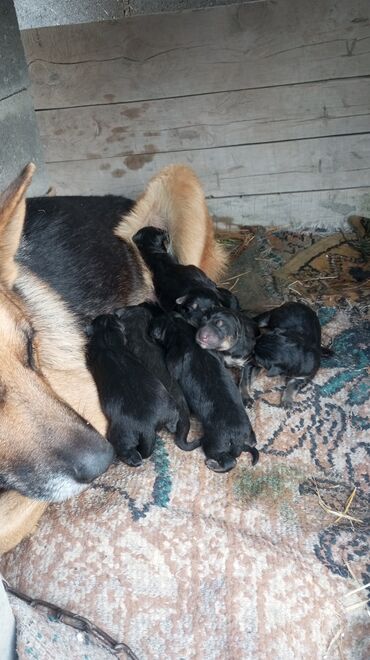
x,y
91,460
205,337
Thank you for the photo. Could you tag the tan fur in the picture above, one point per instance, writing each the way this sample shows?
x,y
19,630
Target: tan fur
x,y
12,212
174,200
18,518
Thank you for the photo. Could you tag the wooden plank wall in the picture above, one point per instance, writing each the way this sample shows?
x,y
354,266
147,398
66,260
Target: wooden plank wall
x,y
268,101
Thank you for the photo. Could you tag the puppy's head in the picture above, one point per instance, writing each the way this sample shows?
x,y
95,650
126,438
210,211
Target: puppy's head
x,y
151,239
195,304
104,330
228,299
220,332
272,348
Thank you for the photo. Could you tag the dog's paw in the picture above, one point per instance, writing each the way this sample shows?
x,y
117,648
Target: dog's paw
x,y
220,466
133,458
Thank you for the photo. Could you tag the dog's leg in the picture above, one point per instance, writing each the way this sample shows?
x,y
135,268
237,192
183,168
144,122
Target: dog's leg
x,y
248,376
146,445
125,443
292,387
18,518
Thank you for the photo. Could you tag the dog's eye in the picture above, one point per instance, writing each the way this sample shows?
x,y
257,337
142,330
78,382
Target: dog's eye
x,y
29,347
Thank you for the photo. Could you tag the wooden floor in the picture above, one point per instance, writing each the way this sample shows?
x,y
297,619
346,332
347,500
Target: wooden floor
x,y
268,101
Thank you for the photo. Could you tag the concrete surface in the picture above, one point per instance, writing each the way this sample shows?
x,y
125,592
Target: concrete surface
x,y
43,13
19,138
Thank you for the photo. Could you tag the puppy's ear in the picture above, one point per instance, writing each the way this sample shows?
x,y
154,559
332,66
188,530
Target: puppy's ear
x,y
118,313
157,329
89,329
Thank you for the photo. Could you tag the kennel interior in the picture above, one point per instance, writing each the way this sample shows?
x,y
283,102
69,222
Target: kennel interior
x,y
269,102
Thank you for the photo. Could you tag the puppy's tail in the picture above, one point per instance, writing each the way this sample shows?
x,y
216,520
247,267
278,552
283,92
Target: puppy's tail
x,y
174,200
182,430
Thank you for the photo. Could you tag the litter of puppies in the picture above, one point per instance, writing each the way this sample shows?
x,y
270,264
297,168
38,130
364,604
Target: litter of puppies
x,y
155,364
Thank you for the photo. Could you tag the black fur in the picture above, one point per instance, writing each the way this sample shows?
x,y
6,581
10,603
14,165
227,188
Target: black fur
x,y
231,332
198,302
290,345
135,402
134,323
211,394
171,280
69,243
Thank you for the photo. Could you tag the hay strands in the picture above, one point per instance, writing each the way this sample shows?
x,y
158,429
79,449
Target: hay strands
x,y
339,515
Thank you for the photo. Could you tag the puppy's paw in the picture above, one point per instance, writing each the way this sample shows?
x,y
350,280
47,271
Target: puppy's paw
x,y
287,403
133,458
222,465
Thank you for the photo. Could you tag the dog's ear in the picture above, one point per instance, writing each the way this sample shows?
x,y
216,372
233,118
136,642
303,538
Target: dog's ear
x,y
119,313
12,215
89,329
157,329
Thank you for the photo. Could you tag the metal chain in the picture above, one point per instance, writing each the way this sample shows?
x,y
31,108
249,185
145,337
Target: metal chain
x,y
75,621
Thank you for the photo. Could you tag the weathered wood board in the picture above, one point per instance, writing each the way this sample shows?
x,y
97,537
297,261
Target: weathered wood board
x,y
209,120
239,47
301,165
308,209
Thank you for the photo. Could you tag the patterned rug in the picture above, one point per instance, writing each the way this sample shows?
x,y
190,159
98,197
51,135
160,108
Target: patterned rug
x,y
264,562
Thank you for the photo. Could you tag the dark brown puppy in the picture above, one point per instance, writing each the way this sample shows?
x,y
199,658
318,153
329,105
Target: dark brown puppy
x,y
171,280
231,332
211,394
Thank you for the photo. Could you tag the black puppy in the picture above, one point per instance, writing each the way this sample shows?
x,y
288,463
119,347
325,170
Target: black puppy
x,y
231,332
171,280
134,324
290,345
134,401
198,302
211,394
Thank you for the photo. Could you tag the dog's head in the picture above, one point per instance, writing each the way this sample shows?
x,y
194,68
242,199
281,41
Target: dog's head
x,y
198,302
220,331
47,451
151,239
195,304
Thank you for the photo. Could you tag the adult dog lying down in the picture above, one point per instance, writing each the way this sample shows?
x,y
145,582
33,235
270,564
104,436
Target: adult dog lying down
x,y
70,261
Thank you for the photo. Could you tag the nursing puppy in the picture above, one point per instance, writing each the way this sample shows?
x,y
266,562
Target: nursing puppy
x,y
290,346
135,402
134,324
211,394
198,302
231,332
171,280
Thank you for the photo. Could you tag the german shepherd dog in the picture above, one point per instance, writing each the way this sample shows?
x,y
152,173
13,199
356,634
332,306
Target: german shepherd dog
x,y
63,261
